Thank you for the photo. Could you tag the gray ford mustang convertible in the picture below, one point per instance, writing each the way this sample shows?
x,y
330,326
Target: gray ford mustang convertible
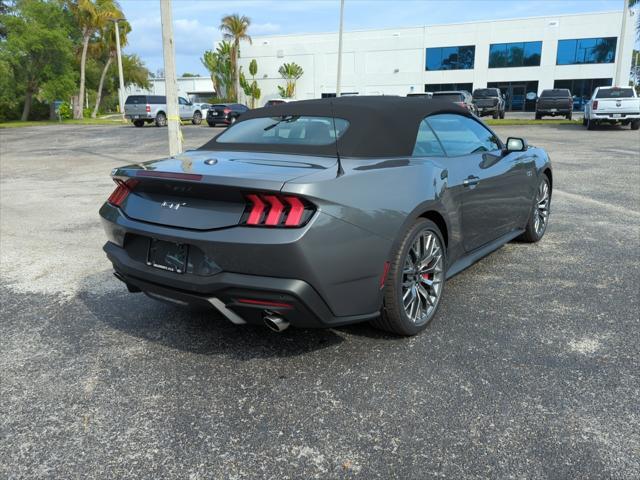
x,y
326,212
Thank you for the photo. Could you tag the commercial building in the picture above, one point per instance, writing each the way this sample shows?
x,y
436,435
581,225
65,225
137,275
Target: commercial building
x,y
520,56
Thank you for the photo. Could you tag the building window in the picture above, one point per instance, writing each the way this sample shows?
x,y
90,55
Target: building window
x,y
518,96
521,54
586,50
582,88
443,87
450,58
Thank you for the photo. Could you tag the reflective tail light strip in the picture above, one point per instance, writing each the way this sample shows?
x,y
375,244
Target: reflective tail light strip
x,y
257,208
121,192
295,214
273,218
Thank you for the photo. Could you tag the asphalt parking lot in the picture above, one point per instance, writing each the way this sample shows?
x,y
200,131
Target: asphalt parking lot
x,y
530,370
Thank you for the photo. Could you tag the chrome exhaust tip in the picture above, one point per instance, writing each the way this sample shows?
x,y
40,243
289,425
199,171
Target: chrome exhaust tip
x,y
275,323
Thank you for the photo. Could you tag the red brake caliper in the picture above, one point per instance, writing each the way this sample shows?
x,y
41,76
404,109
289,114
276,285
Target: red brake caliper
x,y
426,276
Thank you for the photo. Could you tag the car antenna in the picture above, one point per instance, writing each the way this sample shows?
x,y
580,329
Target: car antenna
x,y
335,136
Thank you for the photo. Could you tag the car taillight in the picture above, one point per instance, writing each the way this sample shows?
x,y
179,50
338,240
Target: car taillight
x,y
595,105
121,192
227,110
148,108
269,210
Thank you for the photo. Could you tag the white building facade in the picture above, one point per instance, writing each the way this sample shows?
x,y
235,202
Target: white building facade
x,y
521,57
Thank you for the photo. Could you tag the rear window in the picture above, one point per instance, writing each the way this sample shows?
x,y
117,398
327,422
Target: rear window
x,y
136,100
485,93
555,93
452,97
219,105
285,130
615,93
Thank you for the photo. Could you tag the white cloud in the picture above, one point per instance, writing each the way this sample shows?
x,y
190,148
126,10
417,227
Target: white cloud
x,y
264,28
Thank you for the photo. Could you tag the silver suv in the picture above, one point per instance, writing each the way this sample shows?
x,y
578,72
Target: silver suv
x,y
141,109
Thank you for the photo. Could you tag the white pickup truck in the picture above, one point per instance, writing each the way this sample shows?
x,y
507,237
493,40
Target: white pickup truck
x,y
612,105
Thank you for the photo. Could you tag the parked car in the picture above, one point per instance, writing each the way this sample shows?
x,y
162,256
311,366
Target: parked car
x,y
276,101
612,105
420,94
141,109
225,113
554,102
292,215
459,97
489,101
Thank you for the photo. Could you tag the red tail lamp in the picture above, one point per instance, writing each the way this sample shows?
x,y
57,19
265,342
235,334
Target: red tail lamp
x,y
272,210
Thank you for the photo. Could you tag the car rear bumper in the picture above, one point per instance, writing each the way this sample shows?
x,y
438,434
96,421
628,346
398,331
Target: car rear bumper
x,y
554,112
615,117
318,283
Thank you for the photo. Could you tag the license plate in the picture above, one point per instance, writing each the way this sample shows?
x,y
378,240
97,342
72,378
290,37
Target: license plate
x,y
554,109
217,113
135,117
617,115
168,256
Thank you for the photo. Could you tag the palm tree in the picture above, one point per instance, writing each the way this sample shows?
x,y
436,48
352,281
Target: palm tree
x,y
108,46
234,28
291,72
91,15
218,63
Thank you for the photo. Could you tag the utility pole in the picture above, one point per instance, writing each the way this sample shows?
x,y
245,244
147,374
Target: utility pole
x,y
120,74
625,15
170,82
338,86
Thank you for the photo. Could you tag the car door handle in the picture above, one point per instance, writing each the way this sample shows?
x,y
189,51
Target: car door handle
x,y
471,181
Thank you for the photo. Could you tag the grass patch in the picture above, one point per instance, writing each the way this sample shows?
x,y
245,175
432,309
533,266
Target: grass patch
x,y
526,121
86,121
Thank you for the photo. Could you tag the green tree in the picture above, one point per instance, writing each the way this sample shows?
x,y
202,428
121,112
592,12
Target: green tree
x,y
189,75
91,15
251,90
234,29
291,72
38,51
107,48
218,62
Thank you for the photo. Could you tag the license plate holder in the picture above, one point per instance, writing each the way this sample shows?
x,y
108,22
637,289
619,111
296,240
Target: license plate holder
x,y
168,256
617,115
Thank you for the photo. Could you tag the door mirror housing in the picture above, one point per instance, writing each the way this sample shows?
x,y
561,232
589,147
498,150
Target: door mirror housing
x,y
515,144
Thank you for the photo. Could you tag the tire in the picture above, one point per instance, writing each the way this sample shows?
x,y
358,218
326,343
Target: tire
x,y
538,116
394,317
161,120
502,114
569,116
591,124
138,123
635,124
211,124
197,118
232,120
534,230
496,115
584,121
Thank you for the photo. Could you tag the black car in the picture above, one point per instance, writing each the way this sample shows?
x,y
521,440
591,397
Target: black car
x,y
489,101
554,102
321,213
225,113
459,97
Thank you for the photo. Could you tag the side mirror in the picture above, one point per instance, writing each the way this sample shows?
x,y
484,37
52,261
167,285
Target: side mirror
x,y
515,144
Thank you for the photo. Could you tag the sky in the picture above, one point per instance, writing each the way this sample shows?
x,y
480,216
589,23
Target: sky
x,y
196,21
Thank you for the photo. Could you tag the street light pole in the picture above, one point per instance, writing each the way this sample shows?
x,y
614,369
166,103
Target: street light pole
x,y
625,15
170,82
120,74
338,86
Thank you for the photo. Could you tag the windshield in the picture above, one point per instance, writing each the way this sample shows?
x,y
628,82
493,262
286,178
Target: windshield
x,y
556,93
285,130
452,97
485,93
615,93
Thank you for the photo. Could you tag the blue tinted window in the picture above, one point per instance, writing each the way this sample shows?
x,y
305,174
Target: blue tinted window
x,y
427,145
518,54
450,58
586,50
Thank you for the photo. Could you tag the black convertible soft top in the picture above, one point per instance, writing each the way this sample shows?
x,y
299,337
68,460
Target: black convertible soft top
x,y
378,126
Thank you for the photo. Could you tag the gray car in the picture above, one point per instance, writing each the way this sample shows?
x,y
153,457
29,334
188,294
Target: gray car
x,y
327,212
142,109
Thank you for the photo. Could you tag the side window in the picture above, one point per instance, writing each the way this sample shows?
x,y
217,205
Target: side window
x,y
462,135
182,101
427,145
